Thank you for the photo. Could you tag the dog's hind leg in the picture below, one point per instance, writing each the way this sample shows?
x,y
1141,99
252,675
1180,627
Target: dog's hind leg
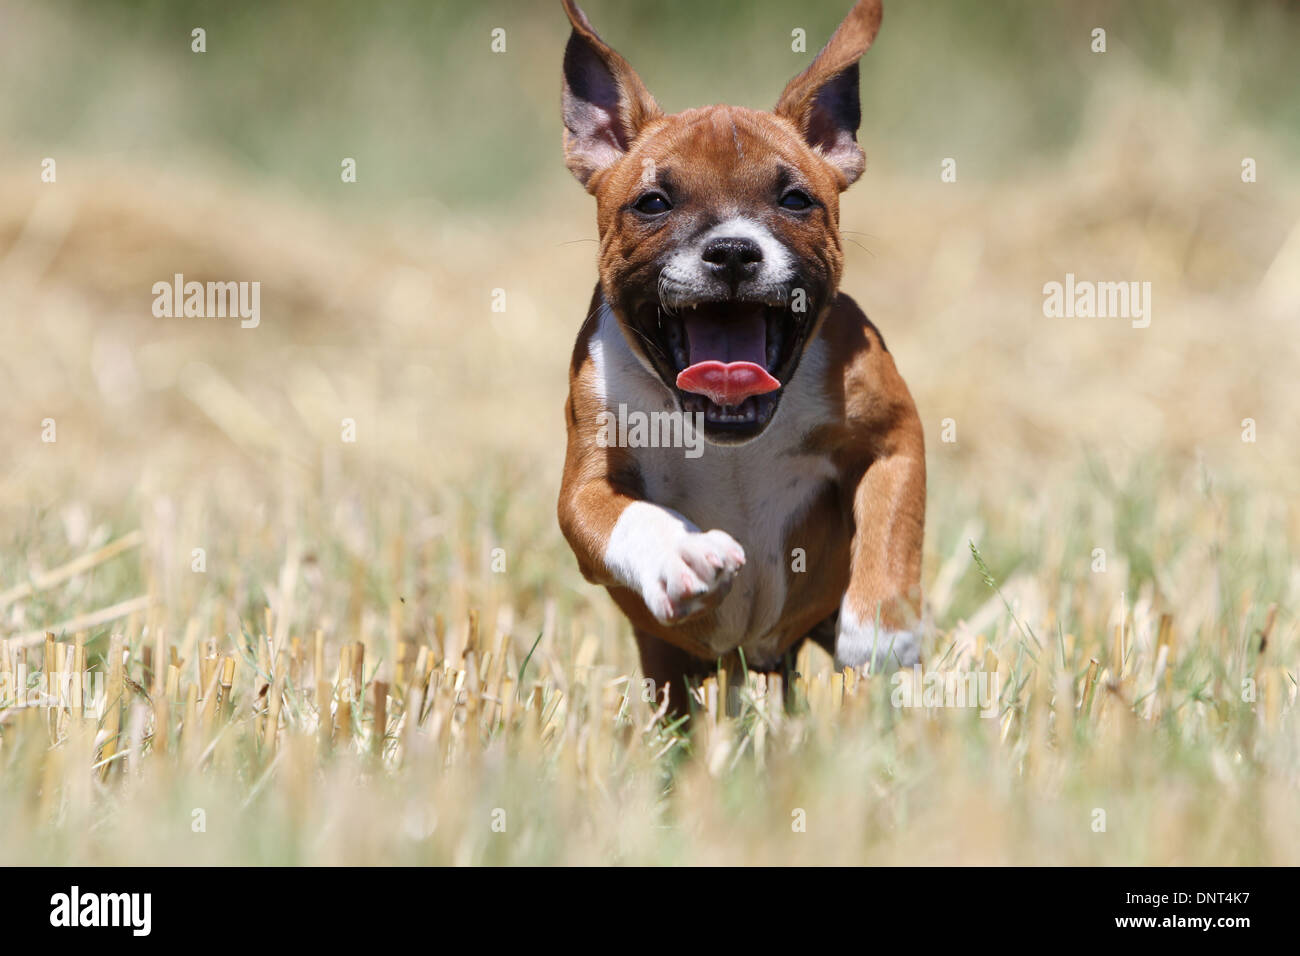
x,y
823,633
669,666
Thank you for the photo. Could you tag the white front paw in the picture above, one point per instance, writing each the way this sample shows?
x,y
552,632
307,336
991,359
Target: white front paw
x,y
678,570
859,644
691,575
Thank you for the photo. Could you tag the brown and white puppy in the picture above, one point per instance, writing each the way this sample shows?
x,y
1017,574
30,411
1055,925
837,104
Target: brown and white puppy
x,y
720,262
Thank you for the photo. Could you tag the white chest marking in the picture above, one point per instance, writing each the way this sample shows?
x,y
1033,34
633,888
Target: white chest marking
x,y
752,491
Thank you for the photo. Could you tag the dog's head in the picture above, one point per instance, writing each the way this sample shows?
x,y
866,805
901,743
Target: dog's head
x,y
719,227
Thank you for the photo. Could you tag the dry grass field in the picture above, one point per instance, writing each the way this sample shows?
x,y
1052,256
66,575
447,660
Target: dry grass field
x,y
315,569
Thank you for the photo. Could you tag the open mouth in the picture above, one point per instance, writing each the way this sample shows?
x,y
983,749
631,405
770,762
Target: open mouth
x,y
729,360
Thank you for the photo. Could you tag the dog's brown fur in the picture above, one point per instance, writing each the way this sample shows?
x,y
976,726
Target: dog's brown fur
x,y
862,532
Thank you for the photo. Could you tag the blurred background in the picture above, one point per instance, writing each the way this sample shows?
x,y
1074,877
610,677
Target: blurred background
x,y
377,295
1071,434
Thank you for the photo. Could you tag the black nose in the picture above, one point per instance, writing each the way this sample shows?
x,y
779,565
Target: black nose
x,y
732,258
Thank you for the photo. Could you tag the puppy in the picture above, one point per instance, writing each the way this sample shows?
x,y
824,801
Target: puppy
x,y
717,315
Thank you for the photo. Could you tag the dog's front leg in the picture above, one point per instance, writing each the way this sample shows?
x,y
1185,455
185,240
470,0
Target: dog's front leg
x,y
621,540
676,569
880,614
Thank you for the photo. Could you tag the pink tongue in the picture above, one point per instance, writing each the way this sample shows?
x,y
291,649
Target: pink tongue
x,y
727,358
728,384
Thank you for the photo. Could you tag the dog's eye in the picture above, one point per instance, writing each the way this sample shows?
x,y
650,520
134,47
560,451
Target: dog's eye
x,y
796,200
651,204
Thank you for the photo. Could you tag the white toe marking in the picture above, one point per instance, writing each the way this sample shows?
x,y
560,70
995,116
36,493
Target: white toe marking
x,y
859,643
673,565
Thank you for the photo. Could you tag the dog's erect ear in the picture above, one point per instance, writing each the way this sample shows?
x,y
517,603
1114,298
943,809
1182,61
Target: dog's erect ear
x,y
605,103
822,101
